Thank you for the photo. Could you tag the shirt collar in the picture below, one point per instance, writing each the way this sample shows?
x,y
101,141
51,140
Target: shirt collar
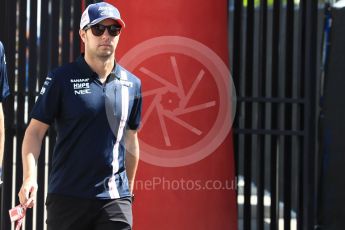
x,y
84,67
117,71
88,72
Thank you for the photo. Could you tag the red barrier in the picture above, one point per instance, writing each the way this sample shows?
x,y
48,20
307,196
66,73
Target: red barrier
x,y
186,174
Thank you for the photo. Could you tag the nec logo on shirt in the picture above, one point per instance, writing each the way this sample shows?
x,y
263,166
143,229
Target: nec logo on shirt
x,y
81,86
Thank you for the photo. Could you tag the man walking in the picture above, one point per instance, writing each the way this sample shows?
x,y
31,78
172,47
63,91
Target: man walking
x,y
96,107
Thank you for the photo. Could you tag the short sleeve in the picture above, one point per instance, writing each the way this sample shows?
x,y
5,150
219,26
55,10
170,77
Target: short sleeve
x,y
135,115
47,104
4,88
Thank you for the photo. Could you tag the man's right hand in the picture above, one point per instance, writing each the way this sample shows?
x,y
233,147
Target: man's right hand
x,y
27,193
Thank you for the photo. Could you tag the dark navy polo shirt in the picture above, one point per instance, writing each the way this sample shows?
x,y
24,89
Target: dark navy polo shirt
x,y
91,119
4,88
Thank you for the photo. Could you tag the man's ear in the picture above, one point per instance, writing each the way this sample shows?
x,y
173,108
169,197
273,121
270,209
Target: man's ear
x,y
82,34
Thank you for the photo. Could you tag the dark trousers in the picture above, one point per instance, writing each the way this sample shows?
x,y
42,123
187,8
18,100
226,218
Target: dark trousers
x,y
70,213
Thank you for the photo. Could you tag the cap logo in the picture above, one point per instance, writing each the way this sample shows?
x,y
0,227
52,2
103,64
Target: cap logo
x,y
105,10
105,13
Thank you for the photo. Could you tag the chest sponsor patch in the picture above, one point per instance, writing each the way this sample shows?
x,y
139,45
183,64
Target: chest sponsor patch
x,y
81,86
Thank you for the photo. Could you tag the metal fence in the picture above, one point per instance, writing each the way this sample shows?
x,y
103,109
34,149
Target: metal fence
x,y
38,35
275,51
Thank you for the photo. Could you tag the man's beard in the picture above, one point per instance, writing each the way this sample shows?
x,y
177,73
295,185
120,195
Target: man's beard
x,y
105,55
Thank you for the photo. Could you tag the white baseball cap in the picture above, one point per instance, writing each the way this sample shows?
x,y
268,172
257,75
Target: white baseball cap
x,y
97,12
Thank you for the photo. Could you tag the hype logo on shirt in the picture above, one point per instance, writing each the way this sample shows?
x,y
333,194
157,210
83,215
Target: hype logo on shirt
x,y
81,86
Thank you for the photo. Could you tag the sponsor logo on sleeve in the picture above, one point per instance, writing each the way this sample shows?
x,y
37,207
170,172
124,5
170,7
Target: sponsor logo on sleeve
x,y
45,84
